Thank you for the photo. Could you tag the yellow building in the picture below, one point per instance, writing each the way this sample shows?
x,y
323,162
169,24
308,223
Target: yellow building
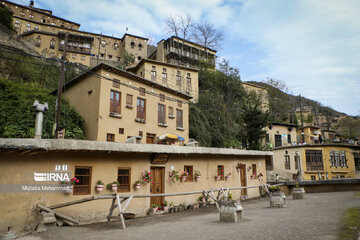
x,y
182,52
316,162
261,92
182,79
91,161
309,135
116,105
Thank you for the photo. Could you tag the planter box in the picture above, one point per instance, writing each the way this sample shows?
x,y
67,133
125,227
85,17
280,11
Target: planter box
x,y
230,211
298,193
277,200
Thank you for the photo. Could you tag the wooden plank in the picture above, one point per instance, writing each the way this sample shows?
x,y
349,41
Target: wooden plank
x,y
122,221
111,211
58,214
72,202
127,203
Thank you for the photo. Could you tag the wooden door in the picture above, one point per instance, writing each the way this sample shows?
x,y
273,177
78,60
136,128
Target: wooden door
x,y
243,178
158,176
150,138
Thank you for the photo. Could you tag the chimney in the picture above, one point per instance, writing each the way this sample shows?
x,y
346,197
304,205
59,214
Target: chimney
x,y
31,3
40,109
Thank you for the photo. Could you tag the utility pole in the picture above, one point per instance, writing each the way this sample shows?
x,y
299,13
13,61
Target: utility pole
x,y
61,83
302,123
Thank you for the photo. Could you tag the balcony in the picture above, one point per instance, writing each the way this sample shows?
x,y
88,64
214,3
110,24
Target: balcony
x,y
75,49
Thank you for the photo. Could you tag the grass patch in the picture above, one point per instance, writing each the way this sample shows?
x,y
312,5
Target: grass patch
x,y
351,223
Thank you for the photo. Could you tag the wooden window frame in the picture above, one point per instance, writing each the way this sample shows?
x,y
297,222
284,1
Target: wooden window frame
x,y
129,180
161,118
129,100
142,91
190,170
113,108
111,135
287,162
314,160
77,186
253,170
137,108
179,120
121,130
162,98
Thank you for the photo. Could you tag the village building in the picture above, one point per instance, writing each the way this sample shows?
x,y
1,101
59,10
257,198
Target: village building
x,y
178,51
261,92
280,134
27,162
309,135
179,78
314,162
117,105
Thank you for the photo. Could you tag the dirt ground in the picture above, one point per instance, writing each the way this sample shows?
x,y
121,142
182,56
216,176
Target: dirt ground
x,y
318,216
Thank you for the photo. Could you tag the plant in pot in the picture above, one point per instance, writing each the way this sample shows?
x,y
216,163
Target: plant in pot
x,y
173,176
99,186
147,178
182,206
70,184
154,207
277,197
220,173
113,186
137,184
195,205
298,192
171,209
228,176
201,200
165,206
197,175
183,176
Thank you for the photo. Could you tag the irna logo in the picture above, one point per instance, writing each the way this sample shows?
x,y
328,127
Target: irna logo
x,y
56,176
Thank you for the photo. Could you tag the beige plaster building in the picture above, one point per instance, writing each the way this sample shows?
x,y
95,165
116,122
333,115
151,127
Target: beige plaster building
x,y
259,91
91,161
280,134
116,105
315,162
182,79
182,52
309,135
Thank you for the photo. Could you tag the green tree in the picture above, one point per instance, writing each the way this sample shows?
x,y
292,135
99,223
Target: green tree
x,y
349,127
5,17
127,60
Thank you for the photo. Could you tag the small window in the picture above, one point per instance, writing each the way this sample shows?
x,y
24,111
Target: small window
x,y
297,162
289,138
153,75
313,177
141,109
139,58
189,170
116,45
179,118
162,98
116,83
22,14
52,43
254,173
110,56
115,102
188,81
179,103
171,111
141,134
110,137
83,187
153,68
36,27
43,20
121,130
178,78
28,27
220,171
267,138
102,55
31,15
119,59
161,114
83,58
287,162
129,100
132,44
142,91
124,179
103,43
38,41
140,46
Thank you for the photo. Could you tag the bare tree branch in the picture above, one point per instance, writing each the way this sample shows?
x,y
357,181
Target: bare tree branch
x,y
186,26
172,26
207,35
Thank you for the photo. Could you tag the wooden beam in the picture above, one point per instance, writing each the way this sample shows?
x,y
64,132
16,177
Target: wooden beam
x,y
58,214
127,203
122,221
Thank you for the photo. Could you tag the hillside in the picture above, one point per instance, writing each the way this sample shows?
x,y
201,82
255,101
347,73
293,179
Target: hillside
x,y
285,107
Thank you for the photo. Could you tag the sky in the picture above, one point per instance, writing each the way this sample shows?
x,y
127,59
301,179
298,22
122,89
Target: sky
x,y
311,45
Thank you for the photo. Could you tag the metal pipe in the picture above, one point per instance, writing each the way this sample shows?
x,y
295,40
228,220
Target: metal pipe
x,y
40,109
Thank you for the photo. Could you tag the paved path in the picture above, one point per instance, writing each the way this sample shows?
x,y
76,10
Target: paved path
x,y
316,217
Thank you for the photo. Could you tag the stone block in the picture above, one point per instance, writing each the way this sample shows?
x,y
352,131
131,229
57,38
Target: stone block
x,y
298,193
278,201
230,216
48,218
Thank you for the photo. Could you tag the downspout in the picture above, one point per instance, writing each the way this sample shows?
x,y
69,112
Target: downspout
x,y
40,109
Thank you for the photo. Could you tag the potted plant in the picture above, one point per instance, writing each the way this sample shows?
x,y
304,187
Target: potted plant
x,y
217,177
220,173
99,186
171,209
228,176
183,176
195,206
147,178
197,175
137,184
298,192
165,206
70,184
173,176
113,186
277,197
201,200
182,206
154,207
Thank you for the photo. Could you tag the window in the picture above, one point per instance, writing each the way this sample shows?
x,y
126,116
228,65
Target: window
x,y
164,76
121,130
124,179
116,46
119,59
36,27
287,162
110,137
74,56
102,55
53,23
110,56
142,91
103,43
17,24
171,111
141,108
162,98
179,103
253,166
267,138
289,138
178,78
313,177
161,114
188,81
338,159
115,102
84,185
82,58
43,20
52,43
297,162
153,75
189,170
220,171
139,58
38,42
179,118
357,160
116,83
129,100
141,133
31,15
278,141
140,46
132,44
22,13
314,161
28,27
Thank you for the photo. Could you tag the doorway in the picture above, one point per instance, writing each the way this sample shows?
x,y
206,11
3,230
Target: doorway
x,y
243,179
158,176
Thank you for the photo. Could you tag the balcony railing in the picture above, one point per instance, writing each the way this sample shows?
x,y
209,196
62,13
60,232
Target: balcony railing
x,y
75,49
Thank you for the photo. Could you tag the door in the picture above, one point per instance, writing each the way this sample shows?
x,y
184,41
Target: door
x,y
243,178
150,138
158,176
278,141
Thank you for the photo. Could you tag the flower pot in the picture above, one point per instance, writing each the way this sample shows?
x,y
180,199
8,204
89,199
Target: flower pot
x,y
171,210
227,177
154,210
195,206
114,187
69,189
218,178
166,208
99,188
183,178
197,178
137,186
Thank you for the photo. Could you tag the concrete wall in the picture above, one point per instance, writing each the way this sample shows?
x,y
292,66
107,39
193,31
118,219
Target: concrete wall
x,y
18,209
